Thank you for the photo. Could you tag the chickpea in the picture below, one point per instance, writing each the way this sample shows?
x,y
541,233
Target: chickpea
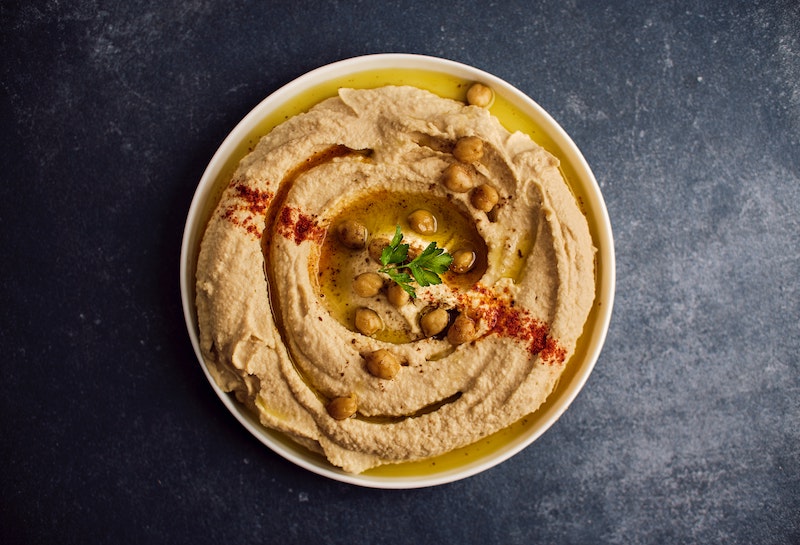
x,y
480,95
462,331
367,321
367,284
352,234
423,222
434,322
484,197
382,364
456,178
468,149
342,408
375,248
397,295
463,261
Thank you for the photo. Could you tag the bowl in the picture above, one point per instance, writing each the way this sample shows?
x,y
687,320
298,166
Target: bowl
x,y
517,112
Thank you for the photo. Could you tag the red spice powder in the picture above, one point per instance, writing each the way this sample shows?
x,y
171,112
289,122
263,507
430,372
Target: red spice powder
x,y
295,225
253,203
553,353
507,320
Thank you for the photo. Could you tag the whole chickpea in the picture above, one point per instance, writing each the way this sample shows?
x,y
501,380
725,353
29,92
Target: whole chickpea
x,y
423,222
484,197
434,321
375,248
468,149
457,178
382,364
341,408
463,261
462,331
396,295
367,284
352,234
367,321
480,95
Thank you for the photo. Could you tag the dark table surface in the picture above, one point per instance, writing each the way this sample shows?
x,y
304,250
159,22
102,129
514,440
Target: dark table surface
x,y
688,431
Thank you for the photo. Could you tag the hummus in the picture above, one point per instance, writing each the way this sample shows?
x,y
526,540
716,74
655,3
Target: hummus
x,y
353,369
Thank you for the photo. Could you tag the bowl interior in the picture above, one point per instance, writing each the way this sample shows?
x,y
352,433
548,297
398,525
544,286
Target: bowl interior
x,y
516,112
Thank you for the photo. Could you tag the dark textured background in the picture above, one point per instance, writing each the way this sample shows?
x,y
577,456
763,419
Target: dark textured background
x,y
688,431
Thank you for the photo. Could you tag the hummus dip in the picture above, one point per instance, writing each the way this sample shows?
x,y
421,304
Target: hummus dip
x,y
299,318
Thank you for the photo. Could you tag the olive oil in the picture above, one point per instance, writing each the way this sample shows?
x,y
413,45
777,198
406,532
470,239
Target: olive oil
x,y
381,213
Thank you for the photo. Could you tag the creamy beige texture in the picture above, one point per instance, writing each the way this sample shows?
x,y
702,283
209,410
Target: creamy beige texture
x,y
268,333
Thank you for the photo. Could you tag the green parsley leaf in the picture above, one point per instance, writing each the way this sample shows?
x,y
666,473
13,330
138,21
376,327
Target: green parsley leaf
x,y
430,264
395,252
425,268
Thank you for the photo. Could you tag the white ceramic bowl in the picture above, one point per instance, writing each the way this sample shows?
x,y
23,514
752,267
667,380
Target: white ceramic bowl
x,y
517,112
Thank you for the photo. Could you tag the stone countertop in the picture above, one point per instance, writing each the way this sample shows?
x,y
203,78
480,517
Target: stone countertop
x,y
688,431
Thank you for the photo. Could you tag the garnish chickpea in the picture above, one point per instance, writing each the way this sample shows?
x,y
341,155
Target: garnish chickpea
x,y
375,248
352,234
462,331
480,95
434,322
342,408
423,222
463,261
457,178
367,321
396,295
484,197
468,149
382,364
367,284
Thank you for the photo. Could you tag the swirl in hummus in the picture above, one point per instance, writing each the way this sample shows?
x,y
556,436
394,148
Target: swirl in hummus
x,y
296,319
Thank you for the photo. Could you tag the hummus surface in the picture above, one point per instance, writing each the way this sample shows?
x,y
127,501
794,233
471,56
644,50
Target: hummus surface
x,y
275,298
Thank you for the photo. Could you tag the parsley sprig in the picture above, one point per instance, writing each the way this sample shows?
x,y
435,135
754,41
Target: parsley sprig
x,y
425,268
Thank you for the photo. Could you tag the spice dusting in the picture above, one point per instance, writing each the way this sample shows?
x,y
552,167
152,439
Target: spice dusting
x,y
507,320
295,225
247,210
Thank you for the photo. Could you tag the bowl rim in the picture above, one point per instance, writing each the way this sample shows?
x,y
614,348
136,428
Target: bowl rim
x,y
605,254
